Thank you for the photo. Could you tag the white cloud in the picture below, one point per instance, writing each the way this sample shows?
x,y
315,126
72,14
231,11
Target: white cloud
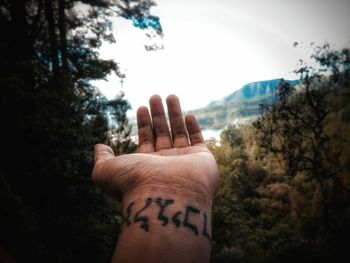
x,y
213,47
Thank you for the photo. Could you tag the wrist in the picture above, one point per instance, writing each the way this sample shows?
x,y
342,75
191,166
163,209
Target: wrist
x,y
189,184
156,207
179,192
168,226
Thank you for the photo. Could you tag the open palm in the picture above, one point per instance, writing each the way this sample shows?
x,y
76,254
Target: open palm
x,y
179,161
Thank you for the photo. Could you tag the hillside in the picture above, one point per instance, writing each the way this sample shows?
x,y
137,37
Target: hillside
x,y
241,106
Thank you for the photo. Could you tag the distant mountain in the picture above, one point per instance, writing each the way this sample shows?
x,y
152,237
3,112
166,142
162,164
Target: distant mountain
x,y
241,106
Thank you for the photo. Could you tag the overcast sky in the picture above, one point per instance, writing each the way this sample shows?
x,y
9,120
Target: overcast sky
x,y
214,47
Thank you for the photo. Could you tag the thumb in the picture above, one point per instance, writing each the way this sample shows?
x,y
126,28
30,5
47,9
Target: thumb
x,y
103,153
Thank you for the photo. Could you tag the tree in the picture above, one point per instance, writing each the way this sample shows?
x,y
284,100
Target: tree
x,y
251,211
119,135
51,117
294,128
271,206
299,129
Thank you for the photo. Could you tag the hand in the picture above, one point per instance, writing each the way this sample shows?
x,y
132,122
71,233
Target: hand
x,y
179,163
166,188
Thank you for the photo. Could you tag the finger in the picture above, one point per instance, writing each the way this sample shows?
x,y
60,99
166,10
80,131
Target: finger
x,y
102,153
177,123
160,126
194,131
145,131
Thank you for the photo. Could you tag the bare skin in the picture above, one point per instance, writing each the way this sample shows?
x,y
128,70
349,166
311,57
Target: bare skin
x,y
166,188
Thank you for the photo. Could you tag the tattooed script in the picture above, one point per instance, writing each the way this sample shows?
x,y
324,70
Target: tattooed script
x,y
178,219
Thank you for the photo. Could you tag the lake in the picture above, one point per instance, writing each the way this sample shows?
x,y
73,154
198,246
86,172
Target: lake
x,y
211,133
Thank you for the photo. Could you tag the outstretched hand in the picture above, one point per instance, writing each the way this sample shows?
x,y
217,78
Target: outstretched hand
x,y
175,161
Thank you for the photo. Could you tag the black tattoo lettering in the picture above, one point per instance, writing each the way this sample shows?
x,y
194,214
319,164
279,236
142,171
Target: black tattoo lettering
x,y
190,209
162,204
143,219
205,227
128,214
176,219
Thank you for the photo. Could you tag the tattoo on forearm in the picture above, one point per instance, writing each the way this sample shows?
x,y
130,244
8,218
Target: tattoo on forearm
x,y
178,219
190,209
128,214
205,227
143,219
162,204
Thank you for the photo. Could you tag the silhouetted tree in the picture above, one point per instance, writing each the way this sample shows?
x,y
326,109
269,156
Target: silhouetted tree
x,y
51,117
119,135
300,130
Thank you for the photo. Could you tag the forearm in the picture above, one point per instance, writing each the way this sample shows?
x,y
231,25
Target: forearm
x,y
167,188
165,225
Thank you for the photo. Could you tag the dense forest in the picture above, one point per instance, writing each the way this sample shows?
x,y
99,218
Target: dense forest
x,y
51,118
285,194
285,179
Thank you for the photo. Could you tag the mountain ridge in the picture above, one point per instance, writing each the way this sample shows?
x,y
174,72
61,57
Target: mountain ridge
x,y
241,106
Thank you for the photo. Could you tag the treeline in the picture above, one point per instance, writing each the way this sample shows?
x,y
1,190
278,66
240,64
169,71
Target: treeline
x,y
51,117
285,179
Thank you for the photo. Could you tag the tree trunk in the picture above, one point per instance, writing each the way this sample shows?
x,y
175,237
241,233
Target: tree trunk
x,y
19,41
63,32
52,35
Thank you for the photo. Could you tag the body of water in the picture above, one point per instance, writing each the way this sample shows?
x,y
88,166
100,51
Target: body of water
x,y
211,133
207,134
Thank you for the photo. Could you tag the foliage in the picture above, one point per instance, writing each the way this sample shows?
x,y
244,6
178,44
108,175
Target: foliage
x,y
51,118
250,219
284,180
119,136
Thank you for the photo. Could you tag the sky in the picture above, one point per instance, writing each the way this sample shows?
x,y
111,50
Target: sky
x,y
214,47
